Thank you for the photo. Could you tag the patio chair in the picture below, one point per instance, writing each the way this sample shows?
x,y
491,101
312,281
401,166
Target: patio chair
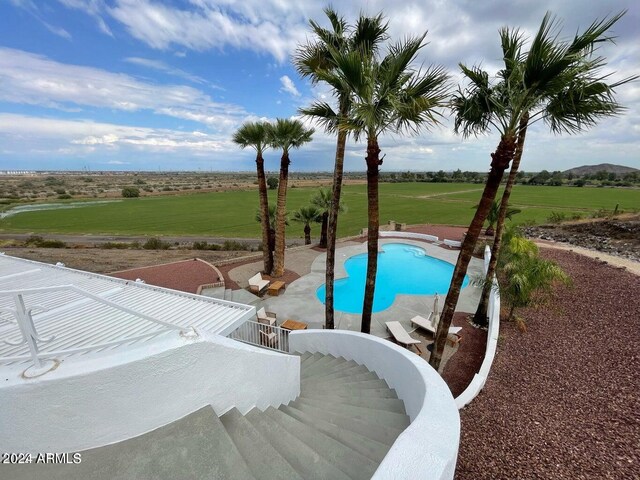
x,y
257,284
268,318
268,339
401,336
426,323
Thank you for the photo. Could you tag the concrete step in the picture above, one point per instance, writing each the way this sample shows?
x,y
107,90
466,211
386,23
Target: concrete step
x,y
340,368
369,415
368,447
354,375
354,464
338,386
343,370
194,447
263,460
312,359
356,393
379,433
320,365
228,294
387,404
306,461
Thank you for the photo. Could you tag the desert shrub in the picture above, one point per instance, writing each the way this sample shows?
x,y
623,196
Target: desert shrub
x,y
156,244
139,181
130,192
234,245
556,217
272,183
167,189
116,245
147,189
60,191
38,241
205,246
64,196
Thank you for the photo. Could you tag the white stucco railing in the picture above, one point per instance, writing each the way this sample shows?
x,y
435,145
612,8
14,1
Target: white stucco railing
x,y
493,313
110,399
417,236
428,448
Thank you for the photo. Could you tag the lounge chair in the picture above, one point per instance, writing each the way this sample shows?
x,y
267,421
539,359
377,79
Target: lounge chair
x,y
267,318
257,284
426,323
401,336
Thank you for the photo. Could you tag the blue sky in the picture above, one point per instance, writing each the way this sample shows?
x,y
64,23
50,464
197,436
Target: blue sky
x,y
148,85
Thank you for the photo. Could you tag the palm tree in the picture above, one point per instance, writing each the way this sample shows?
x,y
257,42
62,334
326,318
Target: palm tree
x,y
317,61
285,134
389,96
307,216
324,201
256,136
527,276
556,81
494,215
272,225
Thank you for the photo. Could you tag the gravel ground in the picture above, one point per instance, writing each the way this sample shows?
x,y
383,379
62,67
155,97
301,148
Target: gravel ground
x,y
562,400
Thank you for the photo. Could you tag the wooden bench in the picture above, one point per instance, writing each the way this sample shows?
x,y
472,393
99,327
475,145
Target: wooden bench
x,y
401,336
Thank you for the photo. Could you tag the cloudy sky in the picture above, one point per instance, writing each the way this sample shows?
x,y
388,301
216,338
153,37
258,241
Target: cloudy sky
x,y
162,85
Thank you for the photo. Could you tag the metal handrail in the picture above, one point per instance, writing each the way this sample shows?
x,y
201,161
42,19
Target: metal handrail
x,y
24,320
262,335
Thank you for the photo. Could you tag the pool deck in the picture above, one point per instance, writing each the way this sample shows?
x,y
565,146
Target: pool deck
x,y
299,301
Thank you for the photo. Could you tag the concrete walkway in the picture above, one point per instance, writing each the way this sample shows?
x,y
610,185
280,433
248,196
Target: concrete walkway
x,y
299,301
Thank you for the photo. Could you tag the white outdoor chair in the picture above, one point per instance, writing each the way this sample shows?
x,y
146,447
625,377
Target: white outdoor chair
x,y
257,284
267,318
401,336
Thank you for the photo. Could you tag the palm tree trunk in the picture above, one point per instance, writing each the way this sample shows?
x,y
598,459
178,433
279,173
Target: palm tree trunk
x,y
332,226
267,253
480,316
323,230
307,234
500,161
281,214
373,162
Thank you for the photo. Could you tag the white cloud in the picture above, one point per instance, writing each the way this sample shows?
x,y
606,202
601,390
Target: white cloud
x,y
288,86
176,72
37,80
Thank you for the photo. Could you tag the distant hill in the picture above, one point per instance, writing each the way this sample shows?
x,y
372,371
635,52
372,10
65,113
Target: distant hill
x,y
607,167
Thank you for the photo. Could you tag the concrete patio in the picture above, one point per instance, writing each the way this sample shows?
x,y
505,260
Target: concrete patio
x,y
299,301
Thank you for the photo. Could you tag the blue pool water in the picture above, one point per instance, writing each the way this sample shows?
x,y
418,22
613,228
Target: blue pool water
x,y
402,269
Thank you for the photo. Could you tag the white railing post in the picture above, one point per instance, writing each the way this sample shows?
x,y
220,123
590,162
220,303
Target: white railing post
x,y
27,328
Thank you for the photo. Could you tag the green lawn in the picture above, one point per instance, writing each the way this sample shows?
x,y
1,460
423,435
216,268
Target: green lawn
x,y
231,214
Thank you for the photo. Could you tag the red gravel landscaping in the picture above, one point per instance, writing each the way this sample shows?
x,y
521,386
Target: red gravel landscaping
x,y
562,400
186,276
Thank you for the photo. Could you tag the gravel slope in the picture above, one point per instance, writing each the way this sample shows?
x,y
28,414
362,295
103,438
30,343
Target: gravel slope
x,y
563,399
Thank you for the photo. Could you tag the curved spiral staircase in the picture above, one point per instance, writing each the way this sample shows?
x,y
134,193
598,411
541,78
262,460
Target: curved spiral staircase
x,y
340,427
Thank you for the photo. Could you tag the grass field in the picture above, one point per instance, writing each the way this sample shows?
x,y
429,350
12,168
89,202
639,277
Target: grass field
x,y
232,214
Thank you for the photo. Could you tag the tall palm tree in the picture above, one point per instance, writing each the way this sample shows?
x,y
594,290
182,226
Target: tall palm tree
x,y
556,81
317,61
324,201
307,216
286,134
390,95
256,135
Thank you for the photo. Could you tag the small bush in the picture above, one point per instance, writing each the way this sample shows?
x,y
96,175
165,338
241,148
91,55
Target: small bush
x,y
38,241
155,244
64,196
206,246
272,183
60,191
116,245
556,217
139,181
234,245
130,192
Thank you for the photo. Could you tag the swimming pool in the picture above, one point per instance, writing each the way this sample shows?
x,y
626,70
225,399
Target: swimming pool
x,y
402,269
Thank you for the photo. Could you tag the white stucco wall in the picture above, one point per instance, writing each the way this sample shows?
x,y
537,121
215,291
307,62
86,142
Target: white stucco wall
x,y
96,402
428,448
418,236
493,312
